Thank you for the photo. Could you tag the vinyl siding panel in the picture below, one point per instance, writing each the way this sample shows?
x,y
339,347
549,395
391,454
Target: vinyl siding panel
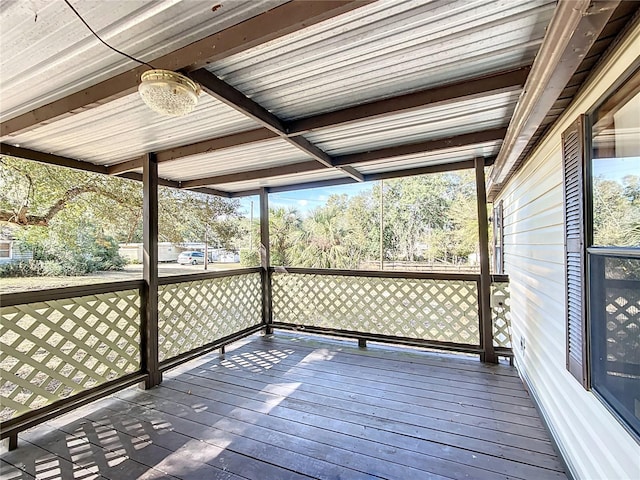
x,y
593,443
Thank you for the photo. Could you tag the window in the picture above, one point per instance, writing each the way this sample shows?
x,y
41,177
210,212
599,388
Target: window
x,y
613,251
601,160
5,250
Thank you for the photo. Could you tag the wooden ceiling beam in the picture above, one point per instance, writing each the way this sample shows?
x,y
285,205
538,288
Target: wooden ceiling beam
x,y
206,146
407,172
354,159
60,161
454,92
270,25
574,27
421,147
235,99
212,191
440,168
290,169
50,158
123,167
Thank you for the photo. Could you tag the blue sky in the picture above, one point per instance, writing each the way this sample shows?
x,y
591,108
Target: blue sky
x,y
303,200
616,168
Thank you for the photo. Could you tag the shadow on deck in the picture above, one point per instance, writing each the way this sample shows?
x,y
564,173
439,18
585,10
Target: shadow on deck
x,y
294,406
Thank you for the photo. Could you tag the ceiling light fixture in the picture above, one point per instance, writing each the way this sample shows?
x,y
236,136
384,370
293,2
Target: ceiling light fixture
x,y
166,92
169,93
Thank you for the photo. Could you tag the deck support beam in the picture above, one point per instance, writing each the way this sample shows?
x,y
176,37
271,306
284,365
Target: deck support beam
x,y
484,287
265,261
149,301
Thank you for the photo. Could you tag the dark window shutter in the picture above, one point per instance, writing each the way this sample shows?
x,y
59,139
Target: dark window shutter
x,y
573,163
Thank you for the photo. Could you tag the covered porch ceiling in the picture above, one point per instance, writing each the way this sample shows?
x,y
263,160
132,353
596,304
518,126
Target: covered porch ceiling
x,y
296,94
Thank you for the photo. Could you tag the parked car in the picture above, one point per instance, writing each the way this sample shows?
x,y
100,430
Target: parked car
x,y
192,258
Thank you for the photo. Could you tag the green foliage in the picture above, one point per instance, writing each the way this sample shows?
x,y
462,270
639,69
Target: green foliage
x,y
327,239
57,252
430,218
184,216
249,258
616,211
19,269
72,221
284,225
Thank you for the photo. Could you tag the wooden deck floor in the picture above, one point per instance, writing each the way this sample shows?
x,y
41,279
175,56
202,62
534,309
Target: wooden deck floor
x,y
297,407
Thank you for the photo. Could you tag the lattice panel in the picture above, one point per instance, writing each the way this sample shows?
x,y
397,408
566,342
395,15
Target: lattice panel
x,y
501,314
623,322
193,314
52,350
442,310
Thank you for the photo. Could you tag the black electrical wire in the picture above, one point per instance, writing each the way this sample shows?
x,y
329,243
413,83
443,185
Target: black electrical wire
x,y
105,43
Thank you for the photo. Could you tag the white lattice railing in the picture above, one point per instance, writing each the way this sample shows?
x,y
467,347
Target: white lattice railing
x,y
501,314
56,348
53,349
195,313
416,308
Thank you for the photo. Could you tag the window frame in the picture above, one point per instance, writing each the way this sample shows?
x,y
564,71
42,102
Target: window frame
x,y
8,249
591,250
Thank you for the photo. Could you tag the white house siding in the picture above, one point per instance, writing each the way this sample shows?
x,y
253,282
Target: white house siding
x,y
592,441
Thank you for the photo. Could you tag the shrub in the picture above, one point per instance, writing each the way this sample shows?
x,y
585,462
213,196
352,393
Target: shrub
x,y
53,256
249,258
19,269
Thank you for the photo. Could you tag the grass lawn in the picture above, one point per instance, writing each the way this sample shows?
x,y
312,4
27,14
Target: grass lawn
x,y
130,272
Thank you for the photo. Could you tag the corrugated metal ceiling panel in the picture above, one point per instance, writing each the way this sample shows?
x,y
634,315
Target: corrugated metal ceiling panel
x,y
243,158
430,123
126,128
387,48
324,174
449,155
48,53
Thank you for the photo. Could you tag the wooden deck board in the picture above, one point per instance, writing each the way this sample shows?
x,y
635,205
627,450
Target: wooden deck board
x,y
369,377
291,407
379,408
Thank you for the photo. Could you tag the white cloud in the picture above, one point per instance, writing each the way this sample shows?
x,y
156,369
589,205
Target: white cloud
x,y
303,203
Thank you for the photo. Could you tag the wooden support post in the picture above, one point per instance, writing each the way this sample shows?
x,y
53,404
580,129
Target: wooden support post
x,y
149,300
362,343
484,288
265,261
9,443
222,350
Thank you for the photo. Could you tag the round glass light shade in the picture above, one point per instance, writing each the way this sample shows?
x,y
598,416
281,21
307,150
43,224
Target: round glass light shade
x,y
168,93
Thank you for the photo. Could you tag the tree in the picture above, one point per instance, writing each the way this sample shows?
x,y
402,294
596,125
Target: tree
x,y
32,194
413,207
62,214
327,240
363,217
616,211
284,224
184,216
464,217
